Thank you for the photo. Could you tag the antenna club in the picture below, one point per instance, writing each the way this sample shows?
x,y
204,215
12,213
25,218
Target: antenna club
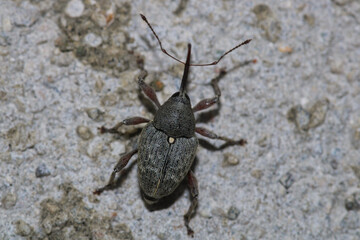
x,y
247,41
143,17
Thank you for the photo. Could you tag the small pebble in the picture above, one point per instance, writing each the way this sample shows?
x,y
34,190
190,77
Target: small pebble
x,y
42,171
336,66
47,225
299,116
40,148
109,100
92,40
95,147
285,49
233,213
217,211
309,19
9,200
22,228
312,118
51,207
352,202
230,160
205,213
84,132
263,141
256,173
318,113
267,21
75,8
99,18
262,12
95,114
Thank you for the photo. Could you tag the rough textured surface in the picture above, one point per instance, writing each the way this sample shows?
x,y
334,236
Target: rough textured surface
x,y
69,67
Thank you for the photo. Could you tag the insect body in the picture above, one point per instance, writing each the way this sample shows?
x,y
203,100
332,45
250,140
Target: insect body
x,y
167,145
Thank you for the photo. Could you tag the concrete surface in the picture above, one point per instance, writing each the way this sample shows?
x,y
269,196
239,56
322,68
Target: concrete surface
x,y
68,67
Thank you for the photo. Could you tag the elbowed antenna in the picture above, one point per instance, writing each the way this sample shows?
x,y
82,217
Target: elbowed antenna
x,y
186,71
195,64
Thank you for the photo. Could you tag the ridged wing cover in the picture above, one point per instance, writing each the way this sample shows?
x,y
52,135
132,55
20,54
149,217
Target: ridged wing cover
x,y
161,165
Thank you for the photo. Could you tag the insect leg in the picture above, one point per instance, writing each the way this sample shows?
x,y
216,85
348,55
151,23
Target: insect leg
x,y
208,102
119,166
128,121
149,91
207,133
194,190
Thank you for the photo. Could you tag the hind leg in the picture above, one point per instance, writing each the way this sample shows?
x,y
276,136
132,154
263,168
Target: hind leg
x,y
194,190
207,133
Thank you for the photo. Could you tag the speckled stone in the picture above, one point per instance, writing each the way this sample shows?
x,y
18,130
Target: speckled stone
x,y
75,8
8,201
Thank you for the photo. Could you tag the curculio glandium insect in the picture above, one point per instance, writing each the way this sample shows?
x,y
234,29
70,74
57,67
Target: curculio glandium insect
x,y
167,145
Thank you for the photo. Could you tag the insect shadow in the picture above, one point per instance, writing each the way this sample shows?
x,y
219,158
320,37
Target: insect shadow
x,y
164,202
168,201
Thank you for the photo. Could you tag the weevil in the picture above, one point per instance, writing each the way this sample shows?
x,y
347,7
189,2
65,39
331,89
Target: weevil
x,y
167,144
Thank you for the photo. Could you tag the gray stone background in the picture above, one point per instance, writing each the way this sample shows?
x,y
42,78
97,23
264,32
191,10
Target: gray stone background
x,y
68,67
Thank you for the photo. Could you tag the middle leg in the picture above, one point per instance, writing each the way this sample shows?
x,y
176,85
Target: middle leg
x,y
207,133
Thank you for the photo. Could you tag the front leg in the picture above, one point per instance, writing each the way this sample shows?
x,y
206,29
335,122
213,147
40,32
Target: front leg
x,y
128,121
207,133
149,91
